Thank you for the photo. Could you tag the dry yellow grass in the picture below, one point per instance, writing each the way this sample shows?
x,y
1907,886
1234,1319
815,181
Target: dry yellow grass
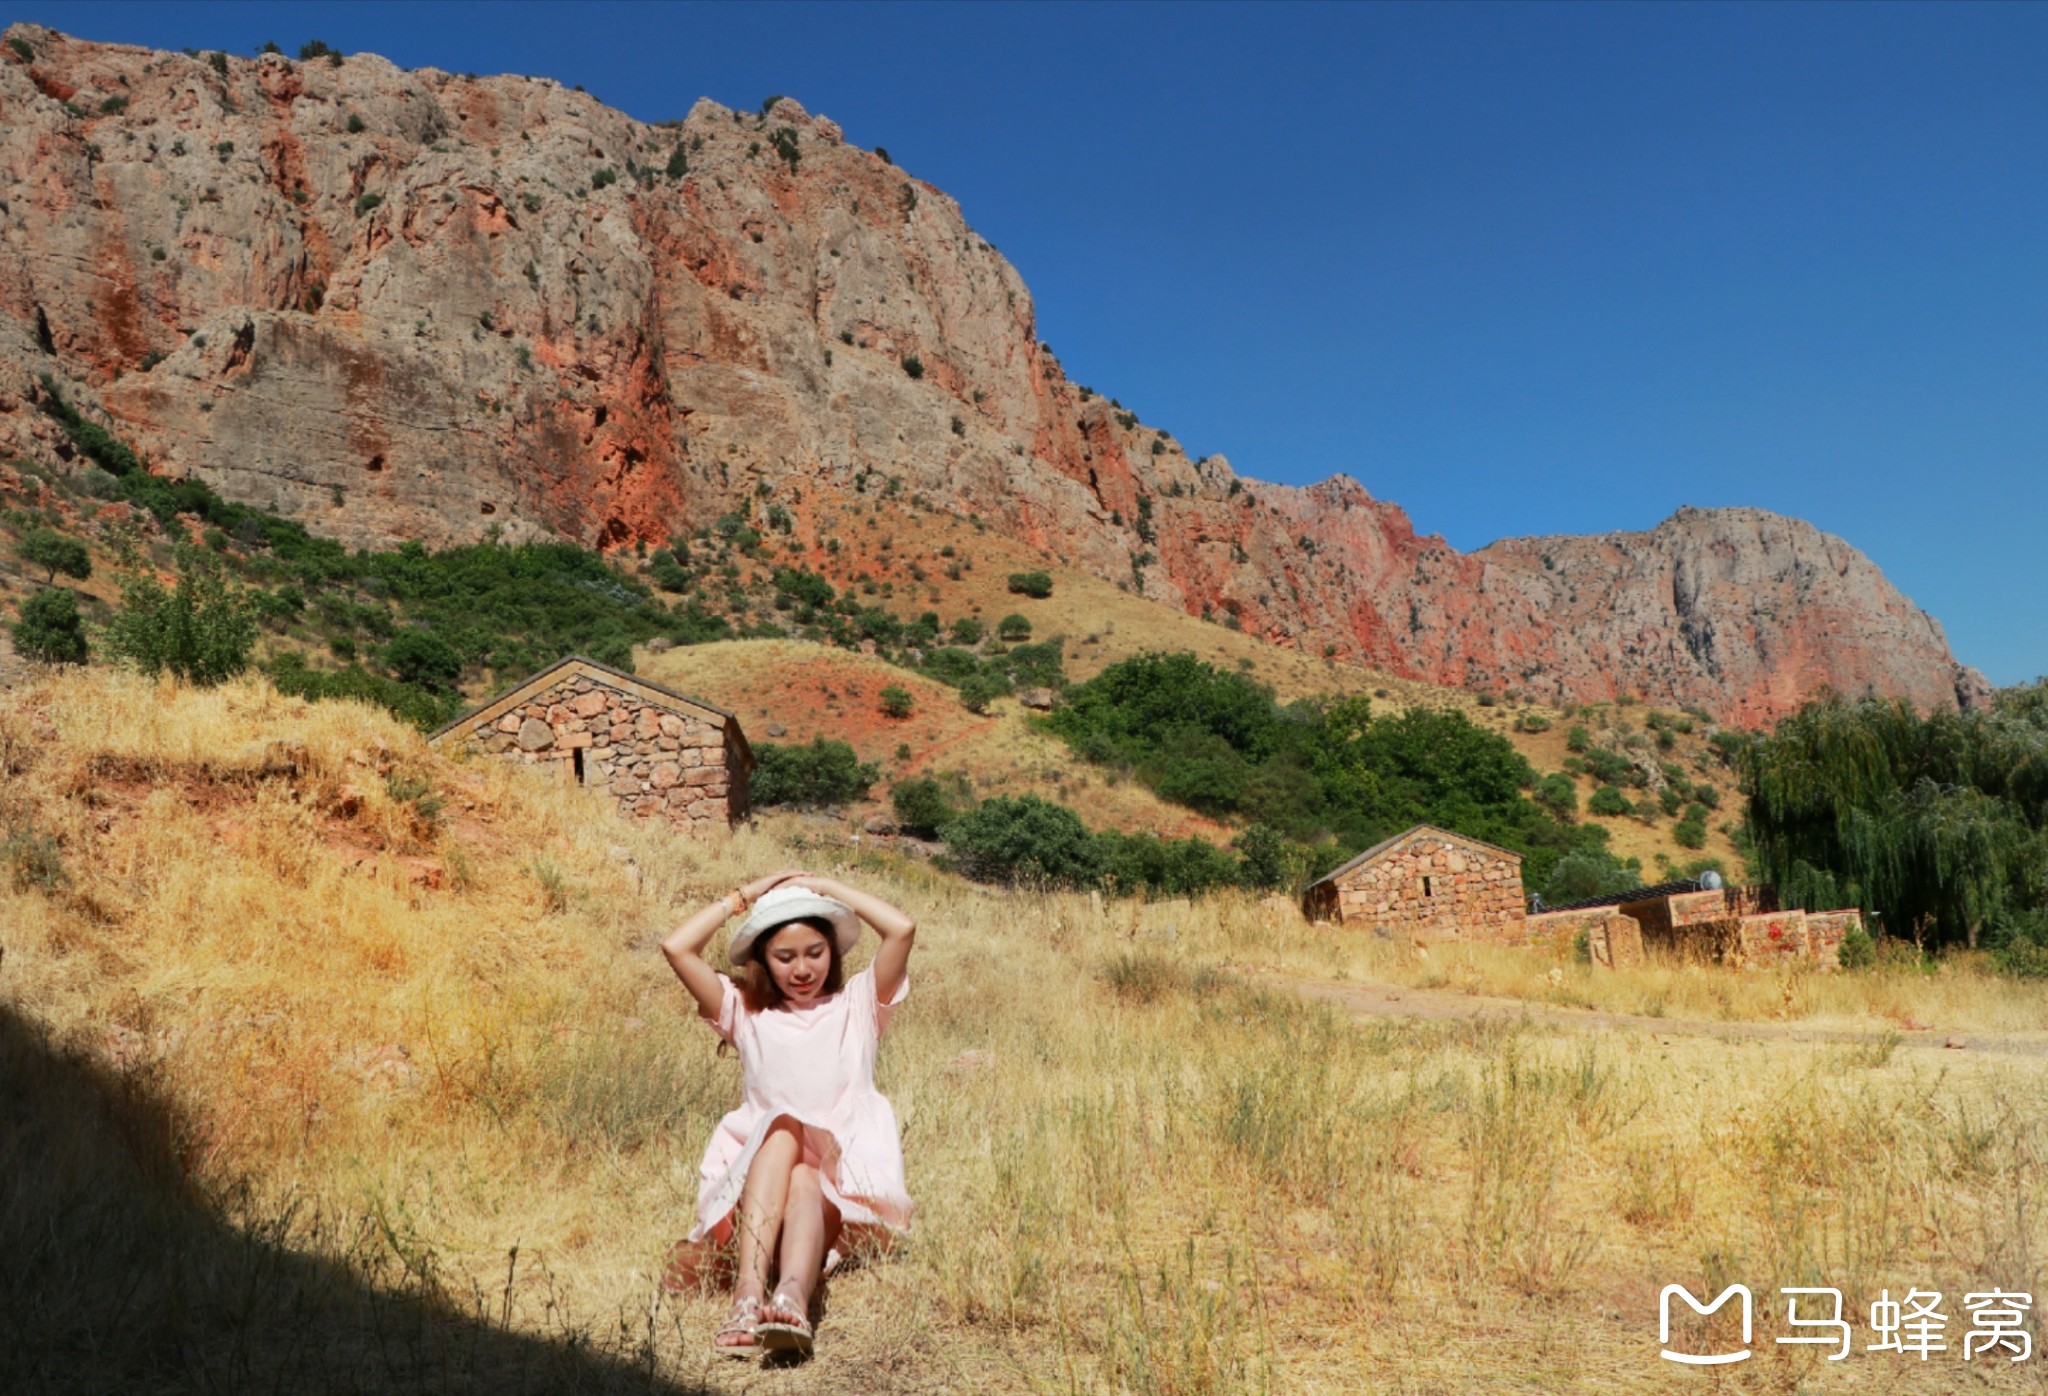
x,y
281,1114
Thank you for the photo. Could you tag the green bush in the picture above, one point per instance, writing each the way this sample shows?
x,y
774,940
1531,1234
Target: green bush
x,y
366,202
895,702
1557,793
421,707
979,690
1607,800
422,657
967,631
1578,740
1593,873
806,777
200,632
914,366
50,629
926,804
1013,628
1012,839
355,124
1612,768
1859,951
55,552
1036,585
1689,833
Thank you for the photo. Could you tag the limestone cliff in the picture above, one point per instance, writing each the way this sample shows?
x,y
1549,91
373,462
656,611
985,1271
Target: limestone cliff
x,y
412,305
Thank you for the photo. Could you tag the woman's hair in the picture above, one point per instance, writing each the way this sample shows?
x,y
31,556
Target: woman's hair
x,y
758,986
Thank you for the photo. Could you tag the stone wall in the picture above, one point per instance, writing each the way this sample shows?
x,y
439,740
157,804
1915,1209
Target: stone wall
x,y
1824,931
1613,941
1432,888
650,759
1774,938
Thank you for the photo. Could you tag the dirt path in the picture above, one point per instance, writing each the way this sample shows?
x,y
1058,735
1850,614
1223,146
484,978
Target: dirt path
x,y
1436,1005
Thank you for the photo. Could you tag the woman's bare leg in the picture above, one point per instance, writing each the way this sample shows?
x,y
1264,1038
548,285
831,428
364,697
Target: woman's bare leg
x,y
763,1205
809,1226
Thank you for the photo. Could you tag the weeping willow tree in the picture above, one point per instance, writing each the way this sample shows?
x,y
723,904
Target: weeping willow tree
x,y
1938,823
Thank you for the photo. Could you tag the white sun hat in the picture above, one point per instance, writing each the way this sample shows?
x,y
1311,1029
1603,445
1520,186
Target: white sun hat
x,y
781,905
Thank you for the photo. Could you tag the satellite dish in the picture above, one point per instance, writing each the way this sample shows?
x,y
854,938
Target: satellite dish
x,y
1710,881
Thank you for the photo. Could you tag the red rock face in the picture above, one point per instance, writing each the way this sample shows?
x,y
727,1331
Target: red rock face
x,y
407,305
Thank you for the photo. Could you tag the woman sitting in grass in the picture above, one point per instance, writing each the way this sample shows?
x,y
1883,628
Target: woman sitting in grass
x,y
811,1162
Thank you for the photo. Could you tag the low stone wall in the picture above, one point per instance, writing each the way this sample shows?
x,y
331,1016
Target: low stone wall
x,y
1774,938
650,760
1613,941
1824,932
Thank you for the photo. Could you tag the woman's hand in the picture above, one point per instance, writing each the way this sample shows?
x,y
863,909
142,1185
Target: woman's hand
x,y
896,929
752,891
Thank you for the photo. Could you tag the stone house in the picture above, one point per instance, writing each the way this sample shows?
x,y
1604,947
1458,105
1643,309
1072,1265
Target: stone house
x,y
1427,884
650,750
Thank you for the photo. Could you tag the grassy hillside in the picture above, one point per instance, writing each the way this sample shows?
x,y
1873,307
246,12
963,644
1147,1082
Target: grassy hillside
x,y
329,1064
500,615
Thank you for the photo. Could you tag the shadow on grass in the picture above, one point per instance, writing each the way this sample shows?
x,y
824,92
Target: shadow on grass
x,y
117,1274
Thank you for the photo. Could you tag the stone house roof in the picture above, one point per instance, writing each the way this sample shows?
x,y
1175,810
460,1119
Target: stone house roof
x,y
1385,846
576,665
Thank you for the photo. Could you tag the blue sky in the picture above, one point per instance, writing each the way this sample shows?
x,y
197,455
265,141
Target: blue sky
x,y
1519,268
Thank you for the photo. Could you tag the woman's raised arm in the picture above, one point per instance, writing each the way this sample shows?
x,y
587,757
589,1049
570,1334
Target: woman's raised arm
x,y
684,946
896,929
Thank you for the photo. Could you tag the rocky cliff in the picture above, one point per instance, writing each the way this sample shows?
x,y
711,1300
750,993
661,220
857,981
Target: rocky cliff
x,y
412,305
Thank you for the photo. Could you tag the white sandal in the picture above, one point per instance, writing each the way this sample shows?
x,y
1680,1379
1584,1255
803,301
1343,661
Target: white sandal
x,y
744,1320
774,1335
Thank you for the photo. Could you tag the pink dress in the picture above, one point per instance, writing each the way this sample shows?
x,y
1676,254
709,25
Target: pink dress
x,y
816,1065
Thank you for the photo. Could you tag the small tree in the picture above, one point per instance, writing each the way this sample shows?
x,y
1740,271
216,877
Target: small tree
x,y
823,773
967,631
1036,585
977,691
201,631
1608,800
50,629
896,702
54,553
1013,629
925,804
422,657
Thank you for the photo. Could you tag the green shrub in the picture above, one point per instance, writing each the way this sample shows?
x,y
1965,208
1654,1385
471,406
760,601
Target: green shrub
x,y
926,804
967,631
1689,833
1590,873
422,657
1607,800
1859,951
21,48
366,202
1036,585
603,176
822,773
55,552
977,691
34,862
1578,740
1013,628
113,106
1012,839
1557,793
200,632
422,708
50,629
89,436
678,163
895,702
914,366
1612,768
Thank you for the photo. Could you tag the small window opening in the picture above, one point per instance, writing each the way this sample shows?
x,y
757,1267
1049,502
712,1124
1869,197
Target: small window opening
x,y
576,757
1428,884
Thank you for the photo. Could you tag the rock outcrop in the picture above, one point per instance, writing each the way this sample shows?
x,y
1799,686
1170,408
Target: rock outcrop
x,y
402,304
